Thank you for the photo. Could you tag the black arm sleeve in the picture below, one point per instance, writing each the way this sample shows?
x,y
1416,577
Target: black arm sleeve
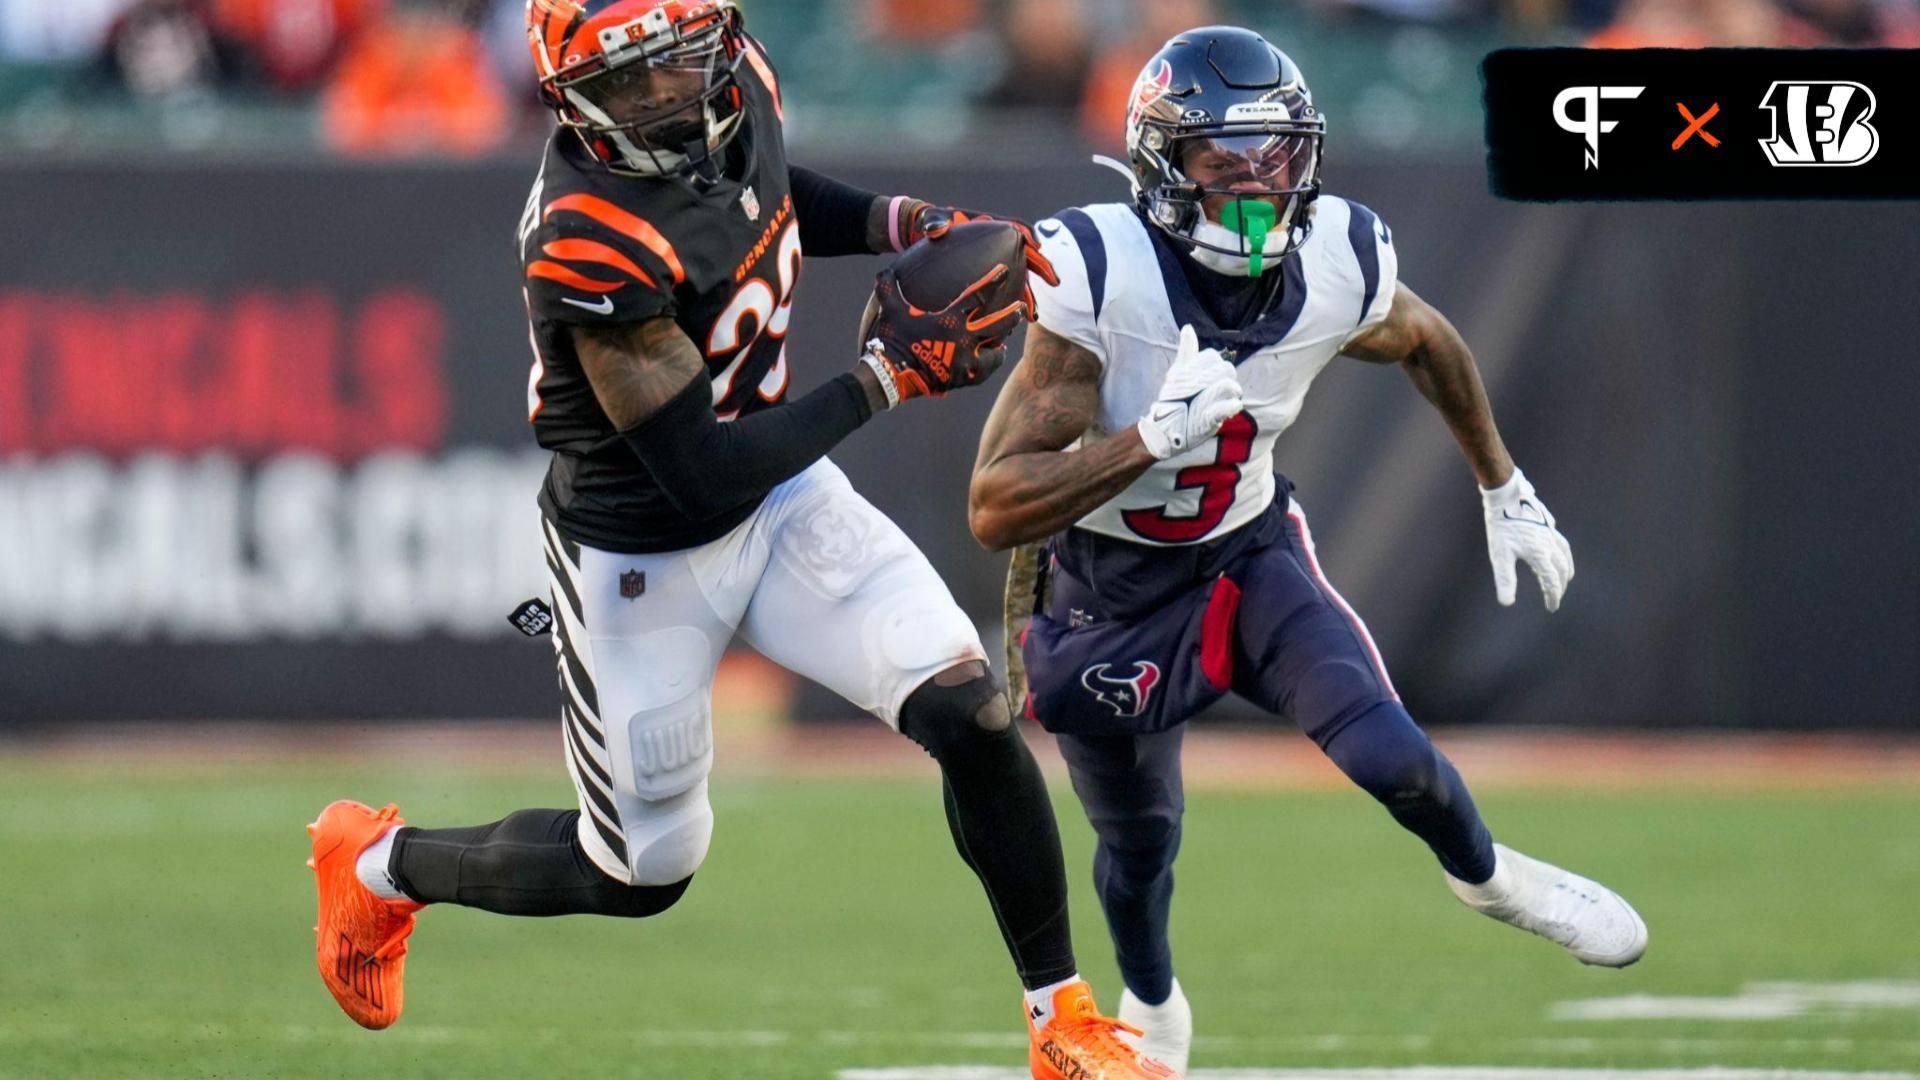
x,y
834,217
706,467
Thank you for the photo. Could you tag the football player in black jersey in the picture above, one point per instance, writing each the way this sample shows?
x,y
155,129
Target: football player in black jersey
x,y
689,501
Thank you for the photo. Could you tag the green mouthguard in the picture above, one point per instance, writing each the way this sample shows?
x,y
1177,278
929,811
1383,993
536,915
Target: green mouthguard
x,y
1253,220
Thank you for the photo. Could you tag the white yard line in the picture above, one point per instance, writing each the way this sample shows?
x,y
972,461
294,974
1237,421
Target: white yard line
x,y
1412,1073
1756,1001
996,1043
1650,1007
1417,1072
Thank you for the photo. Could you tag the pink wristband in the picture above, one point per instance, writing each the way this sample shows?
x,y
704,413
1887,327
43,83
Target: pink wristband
x,y
894,230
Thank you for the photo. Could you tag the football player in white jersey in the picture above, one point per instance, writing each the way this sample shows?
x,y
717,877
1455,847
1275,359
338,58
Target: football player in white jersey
x,y
1136,441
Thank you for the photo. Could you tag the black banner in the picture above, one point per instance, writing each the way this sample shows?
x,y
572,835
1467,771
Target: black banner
x,y
1602,124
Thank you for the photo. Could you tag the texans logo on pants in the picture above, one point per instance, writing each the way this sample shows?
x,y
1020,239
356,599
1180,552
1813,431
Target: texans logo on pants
x,y
1128,696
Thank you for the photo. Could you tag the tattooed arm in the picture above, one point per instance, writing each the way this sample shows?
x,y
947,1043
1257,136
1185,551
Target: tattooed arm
x,y
652,383
1437,359
636,369
1519,525
1026,485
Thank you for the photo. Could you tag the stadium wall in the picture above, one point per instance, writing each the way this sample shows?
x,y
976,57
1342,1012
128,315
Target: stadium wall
x,y
263,451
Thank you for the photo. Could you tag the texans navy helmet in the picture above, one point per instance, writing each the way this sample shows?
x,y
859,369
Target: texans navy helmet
x,y
1228,93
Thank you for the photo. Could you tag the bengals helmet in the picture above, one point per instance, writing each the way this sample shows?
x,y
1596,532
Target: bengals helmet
x,y
1231,94
650,86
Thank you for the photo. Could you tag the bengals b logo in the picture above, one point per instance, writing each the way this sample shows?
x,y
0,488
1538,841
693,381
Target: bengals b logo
x,y
1820,123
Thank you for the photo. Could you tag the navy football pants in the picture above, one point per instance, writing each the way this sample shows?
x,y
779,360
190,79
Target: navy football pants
x,y
1301,653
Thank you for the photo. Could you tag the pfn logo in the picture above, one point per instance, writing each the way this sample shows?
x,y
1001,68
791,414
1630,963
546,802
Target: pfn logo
x,y
1826,124
1589,125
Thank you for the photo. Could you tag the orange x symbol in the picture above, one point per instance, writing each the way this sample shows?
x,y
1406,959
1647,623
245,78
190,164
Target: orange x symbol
x,y
1697,125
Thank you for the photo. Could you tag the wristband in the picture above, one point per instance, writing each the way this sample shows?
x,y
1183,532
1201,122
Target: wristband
x,y
888,386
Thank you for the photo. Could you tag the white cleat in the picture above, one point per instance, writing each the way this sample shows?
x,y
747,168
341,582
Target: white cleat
x,y
1167,1028
1590,920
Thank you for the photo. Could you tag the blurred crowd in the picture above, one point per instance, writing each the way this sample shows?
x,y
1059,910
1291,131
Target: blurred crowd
x,y
391,76
1076,54
453,76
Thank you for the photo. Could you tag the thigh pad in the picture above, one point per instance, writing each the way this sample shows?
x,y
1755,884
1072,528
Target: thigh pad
x,y
654,697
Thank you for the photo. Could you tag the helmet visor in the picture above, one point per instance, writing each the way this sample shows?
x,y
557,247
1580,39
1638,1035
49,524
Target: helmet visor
x,y
1259,164
660,98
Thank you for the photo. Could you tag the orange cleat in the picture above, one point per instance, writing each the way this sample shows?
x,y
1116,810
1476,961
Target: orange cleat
x,y
361,942
1078,1043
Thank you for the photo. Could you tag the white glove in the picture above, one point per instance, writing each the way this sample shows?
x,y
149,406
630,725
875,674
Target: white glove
x,y
1201,392
1519,526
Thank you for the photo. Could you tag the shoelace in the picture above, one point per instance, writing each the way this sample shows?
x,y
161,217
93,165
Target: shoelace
x,y
395,946
396,943
1103,1037
1589,895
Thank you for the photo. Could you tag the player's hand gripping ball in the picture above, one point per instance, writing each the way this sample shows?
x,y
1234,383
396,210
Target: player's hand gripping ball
x,y
940,316
937,222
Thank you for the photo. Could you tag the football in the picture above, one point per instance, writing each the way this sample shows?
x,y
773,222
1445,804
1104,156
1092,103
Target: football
x,y
933,273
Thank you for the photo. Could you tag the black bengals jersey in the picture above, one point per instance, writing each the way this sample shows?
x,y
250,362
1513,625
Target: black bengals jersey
x,y
602,249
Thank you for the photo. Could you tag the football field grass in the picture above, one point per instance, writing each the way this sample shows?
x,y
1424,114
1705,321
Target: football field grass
x,y
156,923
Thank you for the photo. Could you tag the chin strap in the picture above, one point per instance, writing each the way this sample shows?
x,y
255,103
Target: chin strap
x,y
1253,220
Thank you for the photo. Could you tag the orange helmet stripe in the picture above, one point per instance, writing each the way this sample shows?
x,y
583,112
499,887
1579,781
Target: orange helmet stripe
x,y
565,276
593,251
765,71
623,223
554,16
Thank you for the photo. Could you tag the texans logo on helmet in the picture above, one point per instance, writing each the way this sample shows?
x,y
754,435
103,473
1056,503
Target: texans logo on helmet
x,y
1128,696
1155,83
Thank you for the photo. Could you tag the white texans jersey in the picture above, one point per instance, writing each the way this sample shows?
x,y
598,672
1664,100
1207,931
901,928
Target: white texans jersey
x,y
1124,297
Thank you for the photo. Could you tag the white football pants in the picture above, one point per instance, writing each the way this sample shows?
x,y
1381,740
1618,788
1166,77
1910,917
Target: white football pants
x,y
817,580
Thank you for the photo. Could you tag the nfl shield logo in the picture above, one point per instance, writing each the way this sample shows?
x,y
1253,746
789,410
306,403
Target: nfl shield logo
x,y
632,584
750,202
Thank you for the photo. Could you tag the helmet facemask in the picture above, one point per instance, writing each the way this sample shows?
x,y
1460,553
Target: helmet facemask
x,y
657,99
1240,196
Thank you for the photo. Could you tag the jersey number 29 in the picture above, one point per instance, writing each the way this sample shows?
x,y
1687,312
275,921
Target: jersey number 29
x,y
771,316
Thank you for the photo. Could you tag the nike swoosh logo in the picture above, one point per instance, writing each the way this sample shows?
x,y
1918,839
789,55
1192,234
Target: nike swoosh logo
x,y
1541,520
604,307
1049,233
1165,413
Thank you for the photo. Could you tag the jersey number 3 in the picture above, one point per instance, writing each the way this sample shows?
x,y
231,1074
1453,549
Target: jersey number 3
x,y
1218,481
